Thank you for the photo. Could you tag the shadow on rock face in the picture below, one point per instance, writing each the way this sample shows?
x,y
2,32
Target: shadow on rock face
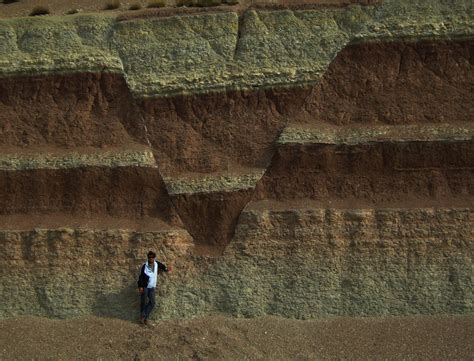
x,y
123,304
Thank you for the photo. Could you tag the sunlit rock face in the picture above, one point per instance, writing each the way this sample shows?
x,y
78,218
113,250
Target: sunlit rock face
x,y
301,161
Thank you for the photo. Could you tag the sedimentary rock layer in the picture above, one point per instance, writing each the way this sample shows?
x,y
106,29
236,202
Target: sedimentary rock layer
x,y
201,53
397,82
306,262
218,131
390,82
68,272
49,157
372,173
87,191
211,217
365,205
359,135
68,110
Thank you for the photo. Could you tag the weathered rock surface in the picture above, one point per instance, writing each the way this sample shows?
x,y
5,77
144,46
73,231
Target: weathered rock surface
x,y
68,272
299,163
302,262
199,53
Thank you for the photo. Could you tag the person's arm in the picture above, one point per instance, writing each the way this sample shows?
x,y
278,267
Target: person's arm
x,y
162,267
141,278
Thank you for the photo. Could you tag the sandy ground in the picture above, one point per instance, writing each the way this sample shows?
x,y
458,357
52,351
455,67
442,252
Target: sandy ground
x,y
222,338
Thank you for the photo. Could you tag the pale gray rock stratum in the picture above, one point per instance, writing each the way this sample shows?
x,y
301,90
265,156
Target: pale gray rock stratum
x,y
301,163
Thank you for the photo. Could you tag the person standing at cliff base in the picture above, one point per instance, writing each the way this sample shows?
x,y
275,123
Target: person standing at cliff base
x,y
147,285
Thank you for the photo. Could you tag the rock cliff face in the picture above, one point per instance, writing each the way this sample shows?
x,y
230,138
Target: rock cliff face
x,y
298,162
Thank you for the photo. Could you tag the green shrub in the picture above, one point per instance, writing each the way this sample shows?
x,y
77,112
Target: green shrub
x,y
112,5
39,10
156,4
136,6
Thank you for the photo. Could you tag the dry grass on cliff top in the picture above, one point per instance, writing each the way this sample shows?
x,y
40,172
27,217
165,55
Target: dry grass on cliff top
x,y
19,8
62,7
220,338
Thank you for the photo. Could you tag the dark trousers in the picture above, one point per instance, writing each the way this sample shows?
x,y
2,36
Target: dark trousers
x,y
147,307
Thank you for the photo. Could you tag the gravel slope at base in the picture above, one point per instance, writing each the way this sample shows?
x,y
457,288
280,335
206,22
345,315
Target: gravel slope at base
x,y
219,338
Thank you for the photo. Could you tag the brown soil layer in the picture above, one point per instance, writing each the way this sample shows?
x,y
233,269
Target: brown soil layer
x,y
211,217
217,338
397,82
76,109
371,174
218,131
101,191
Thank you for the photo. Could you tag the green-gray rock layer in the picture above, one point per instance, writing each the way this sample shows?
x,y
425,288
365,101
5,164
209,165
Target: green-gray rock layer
x,y
308,262
303,263
201,53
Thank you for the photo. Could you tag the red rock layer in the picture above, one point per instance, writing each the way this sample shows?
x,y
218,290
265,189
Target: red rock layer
x,y
131,192
218,131
78,109
371,174
211,217
397,83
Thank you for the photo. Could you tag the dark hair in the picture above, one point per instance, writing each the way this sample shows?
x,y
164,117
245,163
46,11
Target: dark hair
x,y
151,254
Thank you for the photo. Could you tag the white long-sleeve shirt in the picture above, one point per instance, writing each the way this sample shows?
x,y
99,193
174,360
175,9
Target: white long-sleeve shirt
x,y
152,272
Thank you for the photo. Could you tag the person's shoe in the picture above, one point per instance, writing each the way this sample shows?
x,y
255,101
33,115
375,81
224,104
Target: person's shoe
x,y
145,322
142,320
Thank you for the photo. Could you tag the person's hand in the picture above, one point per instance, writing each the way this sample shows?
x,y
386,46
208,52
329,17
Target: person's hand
x,y
170,269
141,290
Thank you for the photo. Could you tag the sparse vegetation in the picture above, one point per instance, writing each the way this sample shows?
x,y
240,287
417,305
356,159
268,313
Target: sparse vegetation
x,y
39,10
135,6
156,4
112,5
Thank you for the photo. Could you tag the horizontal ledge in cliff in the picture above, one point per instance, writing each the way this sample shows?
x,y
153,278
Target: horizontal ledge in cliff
x,y
354,207
86,64
65,158
164,12
352,135
213,183
61,222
